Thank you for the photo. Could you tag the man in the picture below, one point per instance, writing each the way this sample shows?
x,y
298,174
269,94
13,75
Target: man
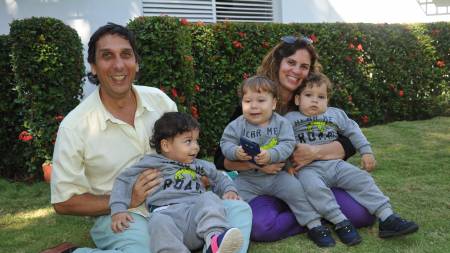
x,y
108,132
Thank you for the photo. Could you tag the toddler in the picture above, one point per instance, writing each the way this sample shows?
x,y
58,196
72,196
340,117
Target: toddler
x,y
184,216
275,136
316,123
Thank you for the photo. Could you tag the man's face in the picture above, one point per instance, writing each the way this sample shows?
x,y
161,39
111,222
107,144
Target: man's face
x,y
115,65
183,147
312,100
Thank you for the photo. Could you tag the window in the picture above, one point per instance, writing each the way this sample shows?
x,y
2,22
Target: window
x,y
211,10
435,7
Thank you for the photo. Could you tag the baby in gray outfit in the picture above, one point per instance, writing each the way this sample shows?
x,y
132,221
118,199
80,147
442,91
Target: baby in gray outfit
x,y
184,216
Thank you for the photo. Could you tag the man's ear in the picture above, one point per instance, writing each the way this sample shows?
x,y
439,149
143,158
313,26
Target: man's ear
x,y
93,69
297,100
165,145
137,67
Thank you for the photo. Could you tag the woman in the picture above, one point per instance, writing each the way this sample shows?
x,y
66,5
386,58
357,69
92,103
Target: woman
x,y
287,64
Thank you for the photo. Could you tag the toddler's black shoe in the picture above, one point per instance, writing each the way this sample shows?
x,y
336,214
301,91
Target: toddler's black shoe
x,y
347,233
321,236
394,225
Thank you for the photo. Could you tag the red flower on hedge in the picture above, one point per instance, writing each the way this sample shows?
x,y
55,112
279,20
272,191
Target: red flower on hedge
x,y
351,46
237,44
200,23
348,58
365,119
245,76
25,136
194,112
242,34
265,44
188,58
313,37
440,63
184,21
401,93
197,87
359,47
59,117
174,92
350,99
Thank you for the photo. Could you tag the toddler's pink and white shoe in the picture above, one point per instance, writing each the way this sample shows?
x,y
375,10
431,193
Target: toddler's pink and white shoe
x,y
229,241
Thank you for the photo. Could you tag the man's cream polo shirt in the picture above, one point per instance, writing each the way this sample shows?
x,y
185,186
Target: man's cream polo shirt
x,y
93,147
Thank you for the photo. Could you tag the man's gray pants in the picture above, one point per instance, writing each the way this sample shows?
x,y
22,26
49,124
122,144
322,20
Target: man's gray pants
x,y
281,185
318,177
183,227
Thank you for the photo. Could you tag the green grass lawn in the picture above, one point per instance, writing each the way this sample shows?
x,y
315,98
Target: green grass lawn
x,y
413,170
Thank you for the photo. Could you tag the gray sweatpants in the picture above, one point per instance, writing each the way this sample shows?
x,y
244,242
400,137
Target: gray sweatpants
x,y
183,227
318,177
281,185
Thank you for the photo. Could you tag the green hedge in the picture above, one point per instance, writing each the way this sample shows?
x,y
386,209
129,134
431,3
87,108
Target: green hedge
x,y
382,73
48,65
11,117
164,45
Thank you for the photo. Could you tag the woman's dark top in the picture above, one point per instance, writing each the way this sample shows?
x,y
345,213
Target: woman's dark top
x,y
219,158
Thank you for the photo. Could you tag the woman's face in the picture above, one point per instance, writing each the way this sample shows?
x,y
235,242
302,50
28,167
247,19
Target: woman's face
x,y
293,69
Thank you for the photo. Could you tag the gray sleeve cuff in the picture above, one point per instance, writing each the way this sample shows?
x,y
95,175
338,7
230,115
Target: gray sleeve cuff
x,y
118,208
365,150
231,188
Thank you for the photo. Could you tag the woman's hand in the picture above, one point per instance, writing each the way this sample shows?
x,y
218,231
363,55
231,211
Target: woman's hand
x,y
241,155
231,195
120,222
273,168
147,182
368,162
303,155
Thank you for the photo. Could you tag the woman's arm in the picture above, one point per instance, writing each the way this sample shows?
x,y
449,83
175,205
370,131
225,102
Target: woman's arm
x,y
304,154
238,165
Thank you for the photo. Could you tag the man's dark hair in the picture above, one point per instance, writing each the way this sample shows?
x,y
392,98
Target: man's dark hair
x,y
109,28
170,125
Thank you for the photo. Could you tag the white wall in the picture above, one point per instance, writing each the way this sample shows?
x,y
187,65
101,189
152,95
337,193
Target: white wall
x,y
85,16
352,11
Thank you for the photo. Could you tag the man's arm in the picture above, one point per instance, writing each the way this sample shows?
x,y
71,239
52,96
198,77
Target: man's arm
x,y
85,204
88,204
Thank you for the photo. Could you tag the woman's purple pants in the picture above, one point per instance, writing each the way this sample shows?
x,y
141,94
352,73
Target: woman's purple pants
x,y
273,220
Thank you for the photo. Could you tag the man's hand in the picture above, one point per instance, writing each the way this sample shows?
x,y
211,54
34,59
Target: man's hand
x,y
147,182
230,195
241,155
368,162
303,155
262,158
120,222
273,168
